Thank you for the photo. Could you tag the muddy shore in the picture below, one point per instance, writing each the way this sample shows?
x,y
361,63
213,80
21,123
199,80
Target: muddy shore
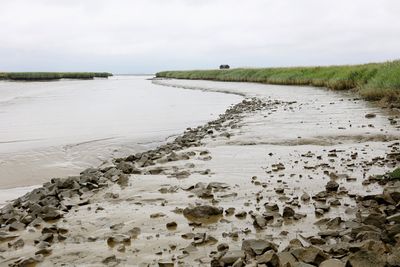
x,y
222,194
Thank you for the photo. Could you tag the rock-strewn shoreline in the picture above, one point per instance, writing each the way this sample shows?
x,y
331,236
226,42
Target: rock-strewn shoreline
x,y
43,226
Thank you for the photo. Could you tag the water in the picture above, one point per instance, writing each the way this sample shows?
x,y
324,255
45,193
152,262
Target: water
x,y
50,129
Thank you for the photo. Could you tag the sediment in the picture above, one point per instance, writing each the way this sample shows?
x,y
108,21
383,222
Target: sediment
x,y
98,217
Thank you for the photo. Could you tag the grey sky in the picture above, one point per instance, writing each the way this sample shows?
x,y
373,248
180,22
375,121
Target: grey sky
x,y
143,36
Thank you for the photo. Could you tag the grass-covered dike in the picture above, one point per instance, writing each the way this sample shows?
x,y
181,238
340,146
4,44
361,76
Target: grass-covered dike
x,y
43,76
374,81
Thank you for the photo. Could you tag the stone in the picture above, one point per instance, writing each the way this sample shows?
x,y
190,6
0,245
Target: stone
x,y
271,206
288,212
165,264
394,218
305,197
16,226
370,115
202,212
44,252
126,167
332,263
171,225
241,214
254,247
4,236
28,261
311,255
269,258
259,221
374,219
364,258
17,244
332,186
286,258
231,257
118,238
111,260
222,247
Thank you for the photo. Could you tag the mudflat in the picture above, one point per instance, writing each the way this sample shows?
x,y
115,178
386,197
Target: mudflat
x,y
280,179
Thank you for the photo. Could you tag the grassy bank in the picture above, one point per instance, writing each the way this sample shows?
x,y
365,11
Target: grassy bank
x,y
375,81
38,76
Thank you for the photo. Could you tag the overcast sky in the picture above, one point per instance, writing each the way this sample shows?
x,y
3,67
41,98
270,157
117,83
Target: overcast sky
x,y
145,36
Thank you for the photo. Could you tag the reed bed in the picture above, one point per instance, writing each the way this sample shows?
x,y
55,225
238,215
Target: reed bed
x,y
40,76
374,81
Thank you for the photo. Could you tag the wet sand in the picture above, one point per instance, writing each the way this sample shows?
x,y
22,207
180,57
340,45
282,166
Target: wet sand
x,y
274,149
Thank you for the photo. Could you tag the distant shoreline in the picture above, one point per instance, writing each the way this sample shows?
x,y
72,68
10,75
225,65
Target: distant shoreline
x,y
374,81
47,76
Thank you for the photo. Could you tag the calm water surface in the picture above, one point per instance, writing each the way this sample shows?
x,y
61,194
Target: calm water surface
x,y
58,128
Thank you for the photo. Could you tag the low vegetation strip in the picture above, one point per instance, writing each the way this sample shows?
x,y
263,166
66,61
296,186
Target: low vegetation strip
x,y
374,81
31,76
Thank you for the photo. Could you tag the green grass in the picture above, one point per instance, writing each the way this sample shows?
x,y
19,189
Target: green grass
x,y
374,81
40,76
394,175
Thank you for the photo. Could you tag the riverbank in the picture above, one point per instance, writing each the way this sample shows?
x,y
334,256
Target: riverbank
x,y
270,182
45,76
374,81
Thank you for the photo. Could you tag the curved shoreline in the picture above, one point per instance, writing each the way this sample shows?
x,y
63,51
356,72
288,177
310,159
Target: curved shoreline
x,y
142,208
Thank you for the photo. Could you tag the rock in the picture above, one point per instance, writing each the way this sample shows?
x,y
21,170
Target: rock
x,y
321,206
391,193
269,258
259,221
374,219
238,263
111,261
271,206
4,236
202,212
28,261
127,167
17,244
364,258
370,115
279,190
241,214
118,238
311,255
157,215
172,225
393,259
286,258
165,264
16,226
394,218
231,257
393,230
332,186
50,213
230,211
332,263
302,264
44,251
217,186
222,247
254,247
305,197
48,237
288,212
121,248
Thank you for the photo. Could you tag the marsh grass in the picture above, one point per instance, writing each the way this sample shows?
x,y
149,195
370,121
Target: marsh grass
x,y
40,76
374,81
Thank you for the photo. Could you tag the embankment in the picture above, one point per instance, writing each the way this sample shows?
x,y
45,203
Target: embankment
x,y
37,76
374,81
